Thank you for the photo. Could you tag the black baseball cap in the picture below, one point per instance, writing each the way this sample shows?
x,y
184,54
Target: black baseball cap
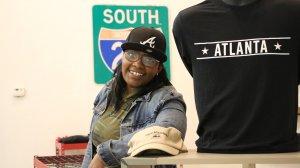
x,y
148,40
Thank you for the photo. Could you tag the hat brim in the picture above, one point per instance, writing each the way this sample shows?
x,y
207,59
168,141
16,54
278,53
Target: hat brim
x,y
162,147
139,47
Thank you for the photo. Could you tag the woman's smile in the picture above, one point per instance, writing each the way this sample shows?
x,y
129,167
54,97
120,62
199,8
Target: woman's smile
x,y
135,73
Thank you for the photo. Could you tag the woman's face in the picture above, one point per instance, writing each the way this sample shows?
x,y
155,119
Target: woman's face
x,y
134,71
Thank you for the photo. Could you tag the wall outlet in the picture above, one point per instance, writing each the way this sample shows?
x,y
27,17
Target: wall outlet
x,y
19,92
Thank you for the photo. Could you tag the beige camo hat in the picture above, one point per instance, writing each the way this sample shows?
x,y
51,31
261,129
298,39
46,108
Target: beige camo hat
x,y
160,138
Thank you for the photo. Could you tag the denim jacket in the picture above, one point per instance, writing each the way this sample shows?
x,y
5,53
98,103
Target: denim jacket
x,y
163,107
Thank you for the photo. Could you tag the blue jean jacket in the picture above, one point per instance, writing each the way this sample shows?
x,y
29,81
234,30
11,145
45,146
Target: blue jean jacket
x,y
163,107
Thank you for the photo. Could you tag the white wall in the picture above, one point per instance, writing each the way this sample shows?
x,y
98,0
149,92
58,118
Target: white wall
x,y
46,48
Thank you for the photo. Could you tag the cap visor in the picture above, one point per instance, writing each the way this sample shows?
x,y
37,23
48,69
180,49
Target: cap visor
x,y
157,146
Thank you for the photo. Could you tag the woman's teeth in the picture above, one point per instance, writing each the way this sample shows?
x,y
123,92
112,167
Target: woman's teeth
x,y
135,73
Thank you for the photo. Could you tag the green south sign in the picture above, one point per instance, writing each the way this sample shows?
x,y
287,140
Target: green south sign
x,y
112,24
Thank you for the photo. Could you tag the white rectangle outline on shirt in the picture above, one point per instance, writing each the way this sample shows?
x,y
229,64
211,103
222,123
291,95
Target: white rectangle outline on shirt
x,y
270,38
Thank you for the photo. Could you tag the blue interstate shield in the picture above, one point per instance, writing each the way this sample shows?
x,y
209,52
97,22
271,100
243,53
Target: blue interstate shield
x,y
109,45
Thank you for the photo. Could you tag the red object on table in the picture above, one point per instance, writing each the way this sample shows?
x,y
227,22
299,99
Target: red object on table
x,y
68,161
69,149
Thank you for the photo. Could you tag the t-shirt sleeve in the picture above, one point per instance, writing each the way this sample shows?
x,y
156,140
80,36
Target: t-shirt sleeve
x,y
178,32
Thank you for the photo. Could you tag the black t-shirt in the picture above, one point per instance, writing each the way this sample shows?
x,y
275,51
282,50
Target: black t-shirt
x,y
245,66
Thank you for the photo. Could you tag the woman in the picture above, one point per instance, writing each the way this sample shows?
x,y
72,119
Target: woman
x,y
139,95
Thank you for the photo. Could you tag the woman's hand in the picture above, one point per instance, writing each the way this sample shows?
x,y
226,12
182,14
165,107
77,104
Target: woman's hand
x,y
97,162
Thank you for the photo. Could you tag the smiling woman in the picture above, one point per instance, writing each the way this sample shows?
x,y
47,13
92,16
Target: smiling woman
x,y
138,69
138,96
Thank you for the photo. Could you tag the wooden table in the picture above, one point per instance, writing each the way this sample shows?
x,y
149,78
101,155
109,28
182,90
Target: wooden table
x,y
192,157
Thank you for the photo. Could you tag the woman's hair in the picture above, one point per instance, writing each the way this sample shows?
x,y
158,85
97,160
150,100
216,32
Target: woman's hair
x,y
119,85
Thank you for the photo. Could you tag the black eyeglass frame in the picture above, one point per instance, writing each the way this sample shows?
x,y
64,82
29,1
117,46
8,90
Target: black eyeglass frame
x,y
140,55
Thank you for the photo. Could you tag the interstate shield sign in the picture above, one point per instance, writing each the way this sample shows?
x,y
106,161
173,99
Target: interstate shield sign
x,y
112,24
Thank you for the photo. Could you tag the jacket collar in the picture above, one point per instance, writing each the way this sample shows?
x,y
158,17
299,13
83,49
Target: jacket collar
x,y
145,97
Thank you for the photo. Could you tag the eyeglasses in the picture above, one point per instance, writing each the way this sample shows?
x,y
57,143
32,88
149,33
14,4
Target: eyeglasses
x,y
134,56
